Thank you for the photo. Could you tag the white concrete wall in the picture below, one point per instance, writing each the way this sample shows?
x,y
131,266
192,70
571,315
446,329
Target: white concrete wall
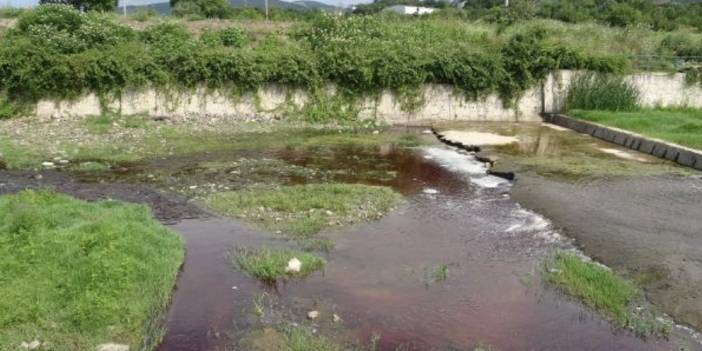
x,y
441,103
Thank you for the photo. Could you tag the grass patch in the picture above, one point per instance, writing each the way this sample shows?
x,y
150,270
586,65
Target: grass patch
x,y
269,265
597,286
602,92
289,338
77,274
304,210
680,126
606,292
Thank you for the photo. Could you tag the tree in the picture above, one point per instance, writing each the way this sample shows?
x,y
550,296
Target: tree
x,y
85,5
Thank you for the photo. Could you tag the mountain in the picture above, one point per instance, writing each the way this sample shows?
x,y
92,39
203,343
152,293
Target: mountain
x,y
261,4
161,8
316,5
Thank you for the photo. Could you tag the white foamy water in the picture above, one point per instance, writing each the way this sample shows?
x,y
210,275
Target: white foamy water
x,y
465,164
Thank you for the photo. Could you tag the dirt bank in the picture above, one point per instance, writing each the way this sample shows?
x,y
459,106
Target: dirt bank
x,y
167,208
649,227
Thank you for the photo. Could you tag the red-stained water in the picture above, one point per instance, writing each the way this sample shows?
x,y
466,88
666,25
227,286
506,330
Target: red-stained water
x,y
380,277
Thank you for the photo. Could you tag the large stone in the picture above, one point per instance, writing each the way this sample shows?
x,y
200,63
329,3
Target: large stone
x,y
112,347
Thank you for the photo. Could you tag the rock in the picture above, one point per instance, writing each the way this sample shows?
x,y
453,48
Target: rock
x,y
294,266
33,345
376,132
336,318
430,191
48,164
63,162
113,347
329,213
313,315
427,131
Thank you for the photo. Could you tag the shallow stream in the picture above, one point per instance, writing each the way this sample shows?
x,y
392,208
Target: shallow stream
x,y
458,264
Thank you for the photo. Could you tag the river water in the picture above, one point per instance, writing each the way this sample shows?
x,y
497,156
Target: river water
x,y
381,277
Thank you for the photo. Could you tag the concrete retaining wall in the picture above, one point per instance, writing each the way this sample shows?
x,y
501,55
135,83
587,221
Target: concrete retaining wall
x,y
669,151
441,103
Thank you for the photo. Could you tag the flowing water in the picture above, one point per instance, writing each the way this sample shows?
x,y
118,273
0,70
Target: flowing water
x,y
382,276
457,264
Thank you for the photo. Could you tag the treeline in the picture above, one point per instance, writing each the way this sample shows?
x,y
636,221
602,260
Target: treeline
x,y
666,16
58,52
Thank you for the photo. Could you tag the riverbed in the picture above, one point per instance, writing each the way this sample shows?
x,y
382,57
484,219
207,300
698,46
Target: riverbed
x,y
458,264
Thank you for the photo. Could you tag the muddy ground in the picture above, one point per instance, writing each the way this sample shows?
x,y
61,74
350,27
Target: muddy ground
x,y
167,207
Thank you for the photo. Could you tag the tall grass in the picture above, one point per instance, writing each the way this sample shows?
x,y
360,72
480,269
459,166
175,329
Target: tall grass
x,y
591,91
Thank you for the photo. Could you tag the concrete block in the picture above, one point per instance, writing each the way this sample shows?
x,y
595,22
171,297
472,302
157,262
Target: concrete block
x,y
672,153
659,150
647,146
686,158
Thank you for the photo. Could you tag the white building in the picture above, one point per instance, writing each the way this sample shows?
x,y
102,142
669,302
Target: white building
x,y
410,10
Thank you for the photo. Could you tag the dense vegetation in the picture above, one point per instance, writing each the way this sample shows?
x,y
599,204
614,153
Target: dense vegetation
x,y
55,51
622,13
76,275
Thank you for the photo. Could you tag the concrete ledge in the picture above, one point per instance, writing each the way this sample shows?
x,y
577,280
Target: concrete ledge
x,y
659,148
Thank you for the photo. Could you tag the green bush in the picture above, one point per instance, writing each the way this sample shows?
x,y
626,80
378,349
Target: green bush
x,y
58,52
56,17
203,8
230,37
602,92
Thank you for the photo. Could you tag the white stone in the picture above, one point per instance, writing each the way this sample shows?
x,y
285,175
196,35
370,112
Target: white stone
x,y
313,315
294,266
430,191
477,138
48,164
113,347
336,318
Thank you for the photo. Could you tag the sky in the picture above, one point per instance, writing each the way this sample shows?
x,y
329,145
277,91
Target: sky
x,y
27,3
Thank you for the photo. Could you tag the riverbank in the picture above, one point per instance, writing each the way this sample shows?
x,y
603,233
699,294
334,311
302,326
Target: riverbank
x,y
633,212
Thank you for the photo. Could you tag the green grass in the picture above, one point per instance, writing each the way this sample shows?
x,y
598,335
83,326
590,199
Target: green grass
x,y
289,338
680,126
302,211
596,286
269,265
77,274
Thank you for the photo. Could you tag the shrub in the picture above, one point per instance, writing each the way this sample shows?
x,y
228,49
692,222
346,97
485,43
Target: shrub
x,y
680,44
203,8
56,17
166,35
143,14
230,37
602,92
